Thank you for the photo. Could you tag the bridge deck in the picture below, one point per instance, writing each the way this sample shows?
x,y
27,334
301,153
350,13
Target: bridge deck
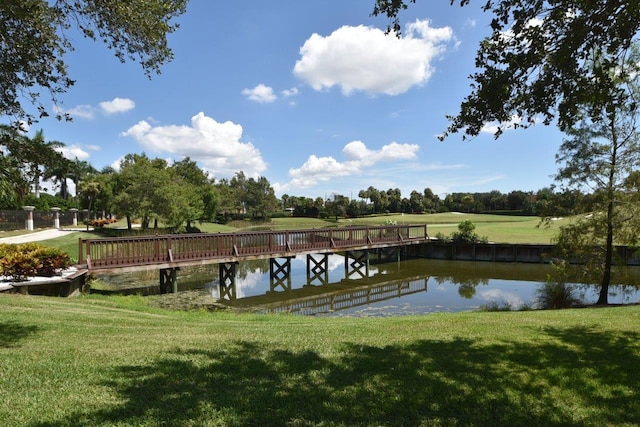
x,y
169,251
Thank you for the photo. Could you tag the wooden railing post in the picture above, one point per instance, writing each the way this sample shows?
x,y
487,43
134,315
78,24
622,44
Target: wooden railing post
x,y
88,249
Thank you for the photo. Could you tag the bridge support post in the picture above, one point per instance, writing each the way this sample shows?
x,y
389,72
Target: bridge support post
x,y
359,264
318,270
228,280
169,280
280,274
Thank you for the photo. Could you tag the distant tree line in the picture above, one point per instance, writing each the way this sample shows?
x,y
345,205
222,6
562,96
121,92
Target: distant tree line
x,y
544,202
180,194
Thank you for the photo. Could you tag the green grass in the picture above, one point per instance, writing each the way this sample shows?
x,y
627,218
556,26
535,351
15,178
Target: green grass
x,y
96,361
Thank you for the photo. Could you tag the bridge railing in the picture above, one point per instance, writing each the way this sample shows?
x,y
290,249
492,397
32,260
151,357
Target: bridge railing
x,y
146,250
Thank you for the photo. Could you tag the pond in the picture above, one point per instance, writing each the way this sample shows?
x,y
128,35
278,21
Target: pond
x,y
416,286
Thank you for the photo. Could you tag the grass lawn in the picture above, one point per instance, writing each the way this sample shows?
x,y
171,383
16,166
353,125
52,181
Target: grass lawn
x,y
98,361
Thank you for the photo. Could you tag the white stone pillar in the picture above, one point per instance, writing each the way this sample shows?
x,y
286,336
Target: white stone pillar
x,y
56,217
28,224
75,216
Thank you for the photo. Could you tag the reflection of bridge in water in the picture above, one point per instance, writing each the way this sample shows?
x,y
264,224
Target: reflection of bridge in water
x,y
326,297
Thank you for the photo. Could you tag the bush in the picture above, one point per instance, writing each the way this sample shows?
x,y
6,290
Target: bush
x,y
100,223
556,293
466,234
19,262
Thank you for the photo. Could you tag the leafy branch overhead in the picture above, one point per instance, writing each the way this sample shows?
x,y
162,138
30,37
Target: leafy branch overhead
x,y
543,61
35,36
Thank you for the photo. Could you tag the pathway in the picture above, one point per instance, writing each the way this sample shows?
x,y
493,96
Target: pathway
x,y
38,236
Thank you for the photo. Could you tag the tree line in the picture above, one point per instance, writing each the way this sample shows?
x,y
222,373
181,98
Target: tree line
x,y
180,193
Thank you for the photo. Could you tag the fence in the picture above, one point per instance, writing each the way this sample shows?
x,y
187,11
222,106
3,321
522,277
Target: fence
x,y
17,219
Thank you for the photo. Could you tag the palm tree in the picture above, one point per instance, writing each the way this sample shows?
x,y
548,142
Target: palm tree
x,y
58,168
80,170
90,189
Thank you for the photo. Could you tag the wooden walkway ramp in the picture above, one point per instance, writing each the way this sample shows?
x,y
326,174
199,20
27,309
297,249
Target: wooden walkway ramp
x,y
173,251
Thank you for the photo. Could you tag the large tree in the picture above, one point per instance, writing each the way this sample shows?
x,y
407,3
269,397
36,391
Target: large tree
x,y
35,36
544,60
604,156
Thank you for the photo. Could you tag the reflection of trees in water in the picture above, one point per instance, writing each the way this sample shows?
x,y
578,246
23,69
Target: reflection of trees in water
x,y
246,268
466,285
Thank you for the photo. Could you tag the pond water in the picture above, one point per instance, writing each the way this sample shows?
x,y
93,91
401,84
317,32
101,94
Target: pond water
x,y
415,286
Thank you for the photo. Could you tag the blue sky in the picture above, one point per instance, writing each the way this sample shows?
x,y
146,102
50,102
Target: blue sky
x,y
311,95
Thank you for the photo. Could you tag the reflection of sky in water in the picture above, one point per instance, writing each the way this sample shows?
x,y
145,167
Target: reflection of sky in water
x,y
451,286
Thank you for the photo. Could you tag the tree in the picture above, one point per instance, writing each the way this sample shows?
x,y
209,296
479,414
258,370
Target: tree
x,y
604,155
35,38
204,200
90,189
261,198
13,185
79,170
544,61
35,157
139,188
58,170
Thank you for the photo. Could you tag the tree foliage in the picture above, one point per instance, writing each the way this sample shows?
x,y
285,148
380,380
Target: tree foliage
x,y
544,60
35,36
603,154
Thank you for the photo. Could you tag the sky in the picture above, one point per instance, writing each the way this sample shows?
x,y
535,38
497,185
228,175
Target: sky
x,y
311,95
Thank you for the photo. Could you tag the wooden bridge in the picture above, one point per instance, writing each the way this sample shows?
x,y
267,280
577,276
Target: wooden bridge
x,y
167,253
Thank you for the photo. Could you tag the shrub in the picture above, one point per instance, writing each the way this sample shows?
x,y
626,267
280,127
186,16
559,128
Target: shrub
x,y
556,292
466,234
19,262
100,223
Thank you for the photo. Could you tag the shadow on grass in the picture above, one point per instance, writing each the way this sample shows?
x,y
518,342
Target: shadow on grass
x,y
11,333
568,377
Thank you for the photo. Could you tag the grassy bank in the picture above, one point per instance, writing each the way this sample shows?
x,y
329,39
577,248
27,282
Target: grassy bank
x,y
114,361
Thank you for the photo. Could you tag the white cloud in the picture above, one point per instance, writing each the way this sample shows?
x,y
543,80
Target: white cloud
x,y
116,164
216,146
365,59
493,127
261,93
81,111
117,105
73,152
290,92
321,169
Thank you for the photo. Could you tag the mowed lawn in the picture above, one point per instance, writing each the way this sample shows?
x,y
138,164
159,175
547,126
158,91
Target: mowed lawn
x,y
105,361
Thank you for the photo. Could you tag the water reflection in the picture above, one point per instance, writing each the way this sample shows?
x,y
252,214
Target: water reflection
x,y
398,288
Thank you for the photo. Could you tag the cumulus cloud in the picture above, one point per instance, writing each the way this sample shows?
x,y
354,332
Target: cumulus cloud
x,y
261,93
73,152
217,146
365,59
117,105
358,156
